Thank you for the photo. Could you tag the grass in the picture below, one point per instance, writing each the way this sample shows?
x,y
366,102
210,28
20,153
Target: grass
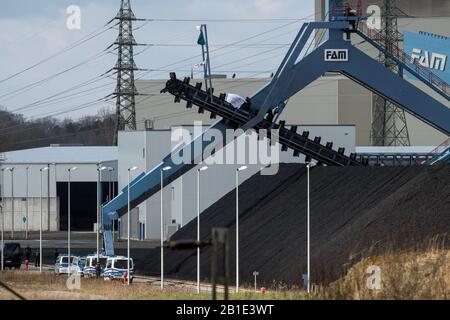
x,y
404,276
416,274
47,286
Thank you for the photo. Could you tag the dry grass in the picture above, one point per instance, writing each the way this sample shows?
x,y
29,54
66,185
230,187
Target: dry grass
x,y
36,286
47,286
408,275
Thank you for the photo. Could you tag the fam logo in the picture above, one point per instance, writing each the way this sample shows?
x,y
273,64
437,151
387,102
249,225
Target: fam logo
x,y
336,55
437,61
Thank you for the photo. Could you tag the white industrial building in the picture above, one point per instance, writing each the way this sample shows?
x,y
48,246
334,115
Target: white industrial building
x,y
20,182
146,149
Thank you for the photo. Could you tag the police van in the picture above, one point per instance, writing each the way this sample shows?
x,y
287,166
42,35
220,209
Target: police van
x,y
91,265
117,267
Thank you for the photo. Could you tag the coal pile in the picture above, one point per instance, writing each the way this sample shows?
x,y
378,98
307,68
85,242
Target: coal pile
x,y
355,212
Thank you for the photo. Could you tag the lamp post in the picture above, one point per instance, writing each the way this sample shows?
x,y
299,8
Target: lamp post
x,y
99,220
162,224
128,226
198,225
181,201
3,218
68,220
40,221
110,169
237,224
12,201
308,243
26,204
2,240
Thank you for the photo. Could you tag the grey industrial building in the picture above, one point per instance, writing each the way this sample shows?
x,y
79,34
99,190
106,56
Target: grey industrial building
x,y
21,186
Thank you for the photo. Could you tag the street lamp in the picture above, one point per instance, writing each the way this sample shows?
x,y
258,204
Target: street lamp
x,y
162,224
128,226
308,282
68,220
3,217
12,201
198,225
2,241
99,220
26,203
110,169
237,224
40,222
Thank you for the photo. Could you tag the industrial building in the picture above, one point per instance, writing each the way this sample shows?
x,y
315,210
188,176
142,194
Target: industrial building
x,y
22,188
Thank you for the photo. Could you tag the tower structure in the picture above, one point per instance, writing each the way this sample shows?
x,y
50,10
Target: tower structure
x,y
389,127
125,92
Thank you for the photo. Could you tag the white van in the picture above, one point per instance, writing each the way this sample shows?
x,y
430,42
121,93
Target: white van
x,y
116,267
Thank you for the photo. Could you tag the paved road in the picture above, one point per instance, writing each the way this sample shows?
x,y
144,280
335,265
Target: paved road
x,y
82,243
78,240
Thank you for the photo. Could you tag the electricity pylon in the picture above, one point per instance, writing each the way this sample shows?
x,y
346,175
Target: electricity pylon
x,y
125,92
389,127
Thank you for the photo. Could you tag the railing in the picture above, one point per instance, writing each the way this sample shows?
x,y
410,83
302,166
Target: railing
x,y
420,71
395,160
344,9
436,151
442,147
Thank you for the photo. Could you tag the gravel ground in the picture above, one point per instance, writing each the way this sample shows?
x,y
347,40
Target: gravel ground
x,y
355,212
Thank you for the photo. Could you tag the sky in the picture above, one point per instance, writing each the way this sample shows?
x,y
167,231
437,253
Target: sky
x,y
70,82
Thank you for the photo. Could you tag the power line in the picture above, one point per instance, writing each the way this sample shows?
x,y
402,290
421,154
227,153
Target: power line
x,y
33,85
77,43
83,84
259,20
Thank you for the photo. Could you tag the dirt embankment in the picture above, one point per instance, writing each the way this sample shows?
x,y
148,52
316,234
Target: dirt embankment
x,y
355,213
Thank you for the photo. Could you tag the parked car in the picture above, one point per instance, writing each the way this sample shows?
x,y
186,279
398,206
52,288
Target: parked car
x,y
116,267
91,265
12,255
62,263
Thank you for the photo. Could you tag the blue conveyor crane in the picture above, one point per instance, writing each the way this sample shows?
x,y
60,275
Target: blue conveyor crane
x,y
298,69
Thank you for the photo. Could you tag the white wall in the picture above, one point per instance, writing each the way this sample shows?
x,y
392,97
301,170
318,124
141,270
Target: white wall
x,y
34,211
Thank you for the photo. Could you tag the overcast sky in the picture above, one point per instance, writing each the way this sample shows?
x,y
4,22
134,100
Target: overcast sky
x,y
35,30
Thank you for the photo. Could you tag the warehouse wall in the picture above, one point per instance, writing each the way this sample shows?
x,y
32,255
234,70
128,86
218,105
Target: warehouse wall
x,y
57,173
34,210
